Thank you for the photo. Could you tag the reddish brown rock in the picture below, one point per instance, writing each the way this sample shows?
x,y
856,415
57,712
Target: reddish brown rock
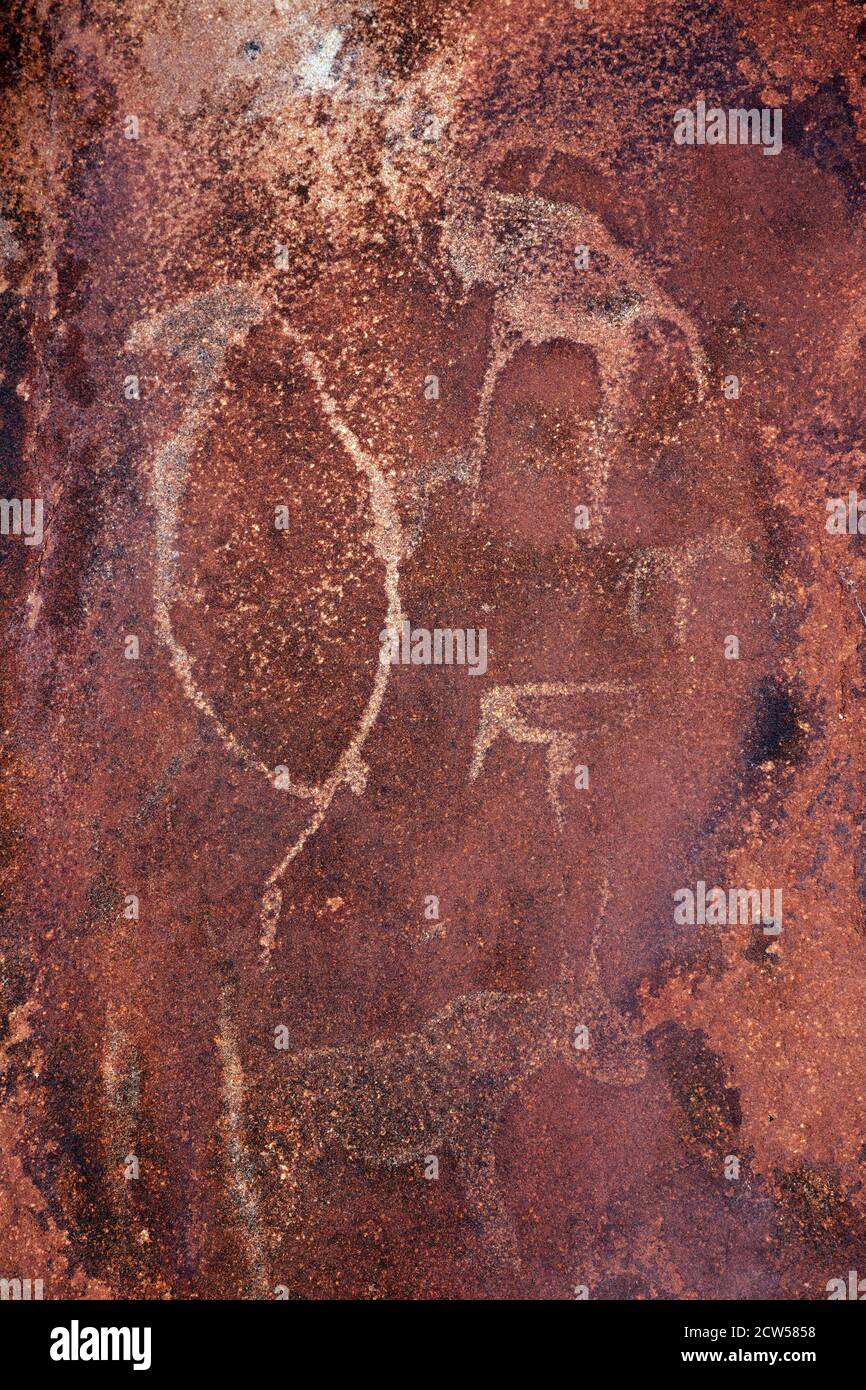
x,y
326,258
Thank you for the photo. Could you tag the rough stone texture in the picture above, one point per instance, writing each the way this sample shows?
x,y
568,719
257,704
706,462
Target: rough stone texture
x,y
327,204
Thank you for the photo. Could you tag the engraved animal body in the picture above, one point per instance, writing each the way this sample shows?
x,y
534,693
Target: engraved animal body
x,y
523,246
502,716
445,1087
675,565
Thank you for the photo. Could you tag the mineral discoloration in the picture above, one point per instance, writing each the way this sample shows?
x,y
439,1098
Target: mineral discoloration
x,y
318,212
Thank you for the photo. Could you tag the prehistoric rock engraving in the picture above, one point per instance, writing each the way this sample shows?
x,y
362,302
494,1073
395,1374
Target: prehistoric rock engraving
x,y
501,717
523,246
446,1085
675,565
200,331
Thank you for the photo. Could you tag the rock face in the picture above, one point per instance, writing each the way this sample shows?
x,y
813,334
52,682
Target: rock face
x,y
333,324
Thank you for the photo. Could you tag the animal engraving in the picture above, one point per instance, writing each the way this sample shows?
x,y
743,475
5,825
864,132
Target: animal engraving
x,y
445,1087
523,246
501,716
675,566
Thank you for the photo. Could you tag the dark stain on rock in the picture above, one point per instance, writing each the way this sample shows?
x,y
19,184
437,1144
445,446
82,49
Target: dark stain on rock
x,y
813,1212
776,734
823,129
710,1107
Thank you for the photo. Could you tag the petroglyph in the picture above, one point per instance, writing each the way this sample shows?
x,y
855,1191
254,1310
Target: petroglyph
x,y
121,1087
240,1171
501,716
523,246
445,1087
531,307
200,330
675,565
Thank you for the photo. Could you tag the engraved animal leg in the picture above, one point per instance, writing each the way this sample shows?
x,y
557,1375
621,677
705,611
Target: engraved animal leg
x,y
504,342
615,358
672,566
478,1171
663,310
501,715
658,308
